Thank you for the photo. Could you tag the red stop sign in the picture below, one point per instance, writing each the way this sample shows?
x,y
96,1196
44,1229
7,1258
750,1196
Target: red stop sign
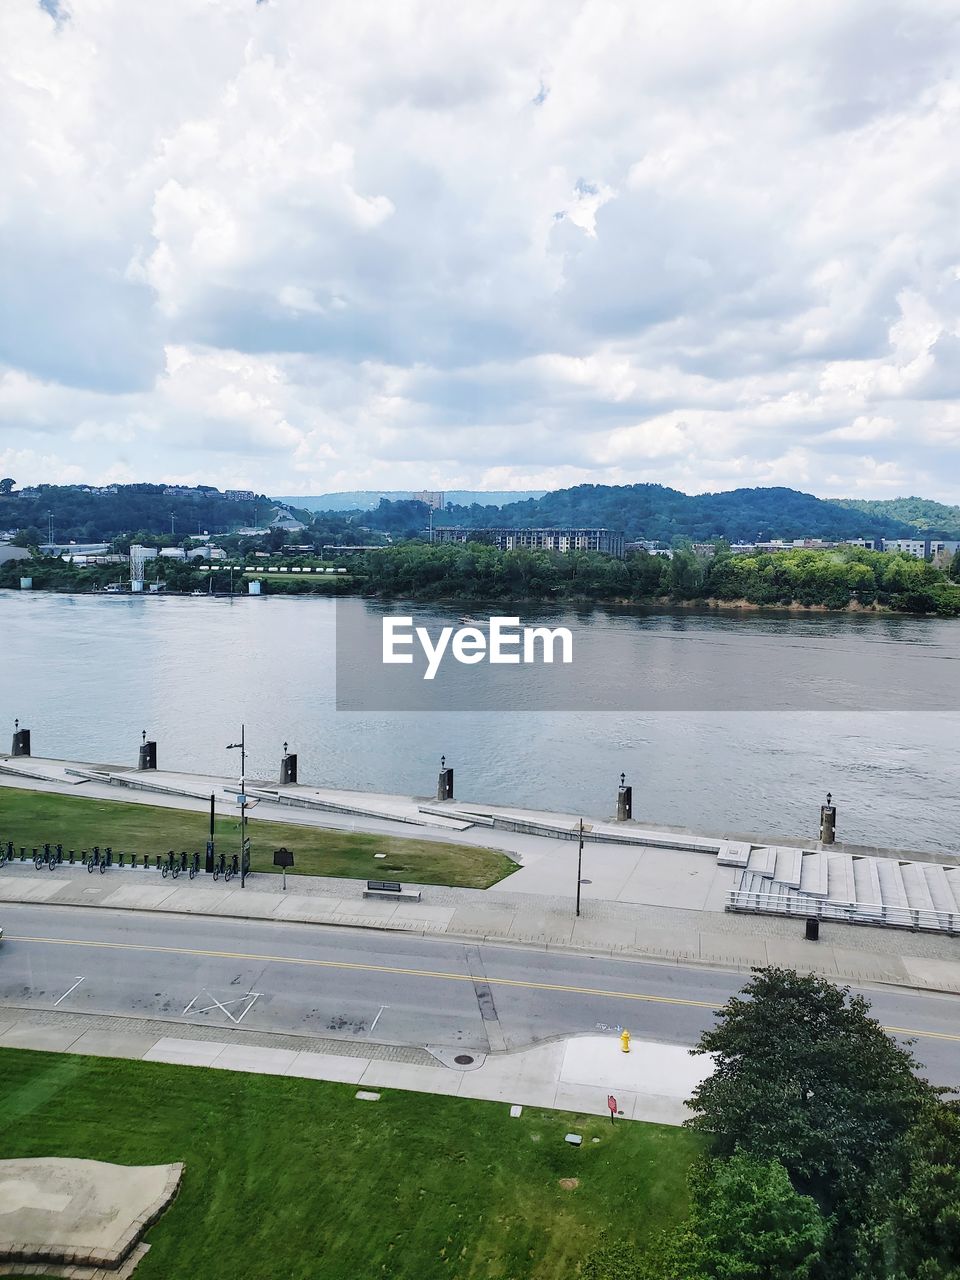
x,y
612,1104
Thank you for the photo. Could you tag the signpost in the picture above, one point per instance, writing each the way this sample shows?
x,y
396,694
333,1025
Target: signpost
x,y
612,1104
283,858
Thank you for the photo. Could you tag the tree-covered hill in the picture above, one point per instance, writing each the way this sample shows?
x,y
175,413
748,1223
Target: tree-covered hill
x,y
934,518
652,511
82,516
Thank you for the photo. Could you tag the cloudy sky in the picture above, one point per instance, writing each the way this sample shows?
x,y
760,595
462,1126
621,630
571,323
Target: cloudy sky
x,y
301,246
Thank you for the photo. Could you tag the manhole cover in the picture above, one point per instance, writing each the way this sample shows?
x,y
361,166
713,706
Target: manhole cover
x,y
463,1059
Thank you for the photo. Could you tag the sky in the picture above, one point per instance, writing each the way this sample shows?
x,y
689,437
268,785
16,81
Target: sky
x,y
300,246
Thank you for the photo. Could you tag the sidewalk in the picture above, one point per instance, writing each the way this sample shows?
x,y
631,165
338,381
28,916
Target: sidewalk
x,y
847,953
577,1074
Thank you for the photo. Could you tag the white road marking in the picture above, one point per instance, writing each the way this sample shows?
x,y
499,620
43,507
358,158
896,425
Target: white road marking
x,y
66,993
377,1019
222,1004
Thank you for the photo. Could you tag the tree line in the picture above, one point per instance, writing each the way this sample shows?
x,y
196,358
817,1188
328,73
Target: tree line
x,y
830,579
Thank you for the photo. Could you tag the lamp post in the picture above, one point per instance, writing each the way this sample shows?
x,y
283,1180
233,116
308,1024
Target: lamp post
x,y
242,747
579,864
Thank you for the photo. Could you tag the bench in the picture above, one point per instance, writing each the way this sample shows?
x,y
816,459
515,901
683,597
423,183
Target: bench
x,y
389,889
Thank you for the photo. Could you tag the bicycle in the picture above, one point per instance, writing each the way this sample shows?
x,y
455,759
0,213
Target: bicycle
x,y
194,866
171,867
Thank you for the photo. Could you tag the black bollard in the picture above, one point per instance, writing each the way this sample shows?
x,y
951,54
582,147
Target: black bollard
x,y
23,853
828,821
624,801
445,781
288,767
71,856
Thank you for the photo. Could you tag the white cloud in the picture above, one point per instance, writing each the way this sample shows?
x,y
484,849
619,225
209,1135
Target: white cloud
x,y
303,247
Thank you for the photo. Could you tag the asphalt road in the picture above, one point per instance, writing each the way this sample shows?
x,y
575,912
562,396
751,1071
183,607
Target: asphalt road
x,y
388,987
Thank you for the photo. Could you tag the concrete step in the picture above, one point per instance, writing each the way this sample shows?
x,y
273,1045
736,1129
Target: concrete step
x,y
789,865
763,862
840,883
892,892
733,853
866,881
940,891
953,880
813,874
915,883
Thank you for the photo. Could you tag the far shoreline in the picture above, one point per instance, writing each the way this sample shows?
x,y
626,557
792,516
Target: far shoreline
x,y
651,604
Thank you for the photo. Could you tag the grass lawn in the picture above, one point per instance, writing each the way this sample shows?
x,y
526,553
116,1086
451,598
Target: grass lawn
x,y
296,1180
29,818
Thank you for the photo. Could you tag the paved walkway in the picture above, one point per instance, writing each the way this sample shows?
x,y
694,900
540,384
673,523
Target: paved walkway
x,y
575,1074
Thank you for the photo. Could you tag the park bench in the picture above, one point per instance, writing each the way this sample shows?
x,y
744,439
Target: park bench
x,y
389,889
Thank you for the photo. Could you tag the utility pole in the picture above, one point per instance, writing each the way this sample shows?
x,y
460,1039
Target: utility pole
x,y
50,529
172,519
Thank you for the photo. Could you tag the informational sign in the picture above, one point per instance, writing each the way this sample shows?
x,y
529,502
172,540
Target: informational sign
x,y
612,1104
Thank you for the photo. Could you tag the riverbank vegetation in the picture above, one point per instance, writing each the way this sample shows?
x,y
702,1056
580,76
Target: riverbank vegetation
x,y
28,819
290,1179
845,578
829,579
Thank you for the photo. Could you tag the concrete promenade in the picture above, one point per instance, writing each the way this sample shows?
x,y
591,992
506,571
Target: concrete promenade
x,y
636,899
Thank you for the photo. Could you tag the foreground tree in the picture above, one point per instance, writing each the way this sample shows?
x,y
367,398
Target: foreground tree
x,y
924,1228
805,1076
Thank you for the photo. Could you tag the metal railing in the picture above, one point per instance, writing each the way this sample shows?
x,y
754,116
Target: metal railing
x,y
763,902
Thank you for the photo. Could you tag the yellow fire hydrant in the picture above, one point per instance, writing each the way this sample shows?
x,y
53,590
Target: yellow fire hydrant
x,y
625,1041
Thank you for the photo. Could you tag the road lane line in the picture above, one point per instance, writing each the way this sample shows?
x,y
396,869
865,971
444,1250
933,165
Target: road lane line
x,y
307,962
66,993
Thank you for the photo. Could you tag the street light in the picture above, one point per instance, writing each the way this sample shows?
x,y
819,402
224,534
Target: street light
x,y
579,865
241,746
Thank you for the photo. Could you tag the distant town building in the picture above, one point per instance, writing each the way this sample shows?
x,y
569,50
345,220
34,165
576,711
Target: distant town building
x,y
328,550
936,549
239,495
70,550
432,497
507,539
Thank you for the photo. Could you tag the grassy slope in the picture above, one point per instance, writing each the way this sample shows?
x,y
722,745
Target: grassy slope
x,y
29,818
288,1179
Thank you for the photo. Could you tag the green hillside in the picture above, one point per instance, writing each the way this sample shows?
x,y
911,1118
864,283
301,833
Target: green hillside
x,y
920,513
653,511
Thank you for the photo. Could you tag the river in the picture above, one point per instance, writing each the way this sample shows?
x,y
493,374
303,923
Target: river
x,y
720,721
